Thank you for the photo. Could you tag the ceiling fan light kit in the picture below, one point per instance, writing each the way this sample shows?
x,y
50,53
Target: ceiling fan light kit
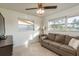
x,y
40,11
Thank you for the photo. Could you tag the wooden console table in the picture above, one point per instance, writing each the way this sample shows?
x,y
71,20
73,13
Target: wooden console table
x,y
6,46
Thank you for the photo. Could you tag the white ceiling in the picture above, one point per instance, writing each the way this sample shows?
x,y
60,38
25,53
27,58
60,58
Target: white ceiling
x,y
22,6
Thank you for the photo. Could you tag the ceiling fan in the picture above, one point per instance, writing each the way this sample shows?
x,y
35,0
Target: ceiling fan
x,y
41,8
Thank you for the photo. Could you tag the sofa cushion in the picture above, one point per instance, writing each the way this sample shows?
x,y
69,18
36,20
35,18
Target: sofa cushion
x,y
68,49
67,39
60,38
54,44
51,36
65,48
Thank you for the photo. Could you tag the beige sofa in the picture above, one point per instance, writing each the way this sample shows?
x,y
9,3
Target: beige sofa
x,y
58,43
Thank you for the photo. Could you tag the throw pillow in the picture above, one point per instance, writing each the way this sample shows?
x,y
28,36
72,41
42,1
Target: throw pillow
x,y
74,43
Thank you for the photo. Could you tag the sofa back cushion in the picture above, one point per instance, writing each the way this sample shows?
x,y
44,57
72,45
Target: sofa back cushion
x,y
77,37
67,39
51,36
60,38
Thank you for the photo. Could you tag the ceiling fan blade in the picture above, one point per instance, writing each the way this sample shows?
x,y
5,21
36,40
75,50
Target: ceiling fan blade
x,y
50,7
45,7
30,8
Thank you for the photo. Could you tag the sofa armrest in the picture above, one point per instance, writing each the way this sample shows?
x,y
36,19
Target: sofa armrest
x,y
78,51
43,37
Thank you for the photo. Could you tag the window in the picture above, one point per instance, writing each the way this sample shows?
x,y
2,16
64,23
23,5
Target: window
x,y
64,24
25,25
57,24
73,23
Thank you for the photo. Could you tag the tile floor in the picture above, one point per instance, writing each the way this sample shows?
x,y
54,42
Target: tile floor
x,y
33,50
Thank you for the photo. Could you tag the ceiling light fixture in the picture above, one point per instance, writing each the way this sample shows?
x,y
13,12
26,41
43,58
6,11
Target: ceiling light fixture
x,y
40,10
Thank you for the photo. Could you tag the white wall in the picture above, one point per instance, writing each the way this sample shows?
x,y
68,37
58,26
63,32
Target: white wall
x,y
11,26
69,12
